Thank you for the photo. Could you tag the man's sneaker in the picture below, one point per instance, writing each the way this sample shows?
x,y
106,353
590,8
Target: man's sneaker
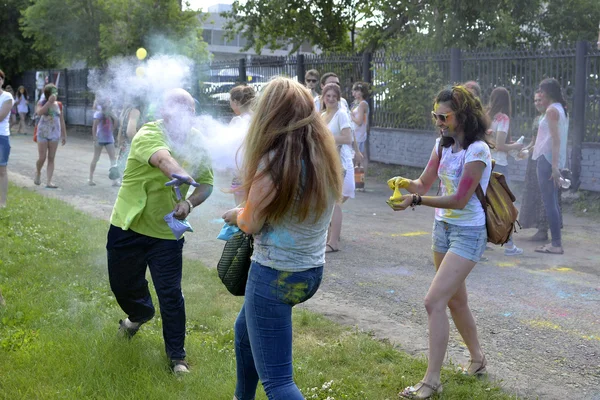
x,y
127,328
515,251
180,367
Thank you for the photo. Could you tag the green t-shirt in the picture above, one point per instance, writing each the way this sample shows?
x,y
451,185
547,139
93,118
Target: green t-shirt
x,y
143,198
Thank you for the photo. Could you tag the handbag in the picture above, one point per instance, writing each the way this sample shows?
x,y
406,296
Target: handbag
x,y
235,262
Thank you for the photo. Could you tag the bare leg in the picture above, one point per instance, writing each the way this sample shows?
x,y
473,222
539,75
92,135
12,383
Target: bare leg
x,y
3,186
462,316
39,164
22,117
449,278
335,229
52,146
110,149
97,152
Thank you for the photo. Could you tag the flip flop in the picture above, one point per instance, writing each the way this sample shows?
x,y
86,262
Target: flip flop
x,y
327,247
546,249
51,186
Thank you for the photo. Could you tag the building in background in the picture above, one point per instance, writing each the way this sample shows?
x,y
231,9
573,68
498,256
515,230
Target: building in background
x,y
223,49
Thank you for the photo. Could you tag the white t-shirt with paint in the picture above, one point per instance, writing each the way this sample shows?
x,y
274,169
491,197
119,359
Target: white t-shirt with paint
x,y
450,171
338,122
4,124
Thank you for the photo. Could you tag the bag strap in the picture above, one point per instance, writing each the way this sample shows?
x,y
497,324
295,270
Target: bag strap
x,y
481,197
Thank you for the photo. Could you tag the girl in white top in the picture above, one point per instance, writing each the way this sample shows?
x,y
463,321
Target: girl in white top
x,y
459,233
360,119
241,99
550,151
6,103
499,111
339,124
22,107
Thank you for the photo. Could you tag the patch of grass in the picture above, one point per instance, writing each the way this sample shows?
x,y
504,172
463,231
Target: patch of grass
x,y
58,330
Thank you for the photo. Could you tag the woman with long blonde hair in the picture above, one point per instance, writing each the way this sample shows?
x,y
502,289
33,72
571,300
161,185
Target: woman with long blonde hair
x,y
292,177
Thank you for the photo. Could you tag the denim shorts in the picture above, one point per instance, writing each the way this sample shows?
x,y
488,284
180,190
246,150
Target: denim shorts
x,y
466,241
4,150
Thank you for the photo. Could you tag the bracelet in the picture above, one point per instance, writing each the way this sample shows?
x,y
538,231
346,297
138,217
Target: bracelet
x,y
416,200
189,204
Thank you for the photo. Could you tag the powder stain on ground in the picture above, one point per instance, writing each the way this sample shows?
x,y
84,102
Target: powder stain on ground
x,y
410,234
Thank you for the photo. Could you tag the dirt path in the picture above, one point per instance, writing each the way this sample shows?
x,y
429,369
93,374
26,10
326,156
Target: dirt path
x,y
538,315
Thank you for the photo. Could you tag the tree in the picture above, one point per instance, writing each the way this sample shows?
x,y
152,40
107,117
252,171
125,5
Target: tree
x,y
96,30
571,20
279,23
16,53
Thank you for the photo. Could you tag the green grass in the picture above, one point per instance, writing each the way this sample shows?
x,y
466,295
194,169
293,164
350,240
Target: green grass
x,y
58,329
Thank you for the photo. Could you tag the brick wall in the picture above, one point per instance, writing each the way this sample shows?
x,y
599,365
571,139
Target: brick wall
x,y
413,148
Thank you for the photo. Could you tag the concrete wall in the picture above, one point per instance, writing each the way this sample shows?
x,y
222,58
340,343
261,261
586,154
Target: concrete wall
x,y
413,148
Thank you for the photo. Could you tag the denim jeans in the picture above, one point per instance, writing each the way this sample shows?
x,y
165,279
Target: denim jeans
x,y
549,198
263,330
129,254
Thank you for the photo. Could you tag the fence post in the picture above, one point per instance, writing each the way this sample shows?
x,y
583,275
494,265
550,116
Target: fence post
x,y
243,76
300,68
367,62
578,116
455,65
66,71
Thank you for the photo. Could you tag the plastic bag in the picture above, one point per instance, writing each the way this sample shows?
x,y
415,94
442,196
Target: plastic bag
x,y
178,227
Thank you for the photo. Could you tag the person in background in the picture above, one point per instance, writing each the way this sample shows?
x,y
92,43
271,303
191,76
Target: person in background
x,y
22,101
533,213
326,79
132,117
338,122
293,179
550,151
102,136
499,112
459,229
6,104
360,119
474,88
50,130
311,78
241,99
140,239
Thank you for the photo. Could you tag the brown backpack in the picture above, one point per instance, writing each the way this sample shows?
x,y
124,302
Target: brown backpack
x,y
500,212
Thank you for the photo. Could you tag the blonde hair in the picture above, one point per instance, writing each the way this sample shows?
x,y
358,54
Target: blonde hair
x,y
293,146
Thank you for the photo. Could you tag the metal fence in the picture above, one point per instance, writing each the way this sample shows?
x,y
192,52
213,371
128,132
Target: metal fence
x,y
403,85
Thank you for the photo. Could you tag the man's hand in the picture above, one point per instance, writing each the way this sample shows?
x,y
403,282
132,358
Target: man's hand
x,y
181,210
180,179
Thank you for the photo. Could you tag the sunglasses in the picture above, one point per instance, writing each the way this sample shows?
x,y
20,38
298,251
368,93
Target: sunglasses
x,y
441,117
311,80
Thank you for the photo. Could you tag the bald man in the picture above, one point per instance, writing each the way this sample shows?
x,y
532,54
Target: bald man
x,y
139,238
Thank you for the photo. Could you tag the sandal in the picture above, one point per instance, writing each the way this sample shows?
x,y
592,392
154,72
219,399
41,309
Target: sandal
x,y
476,368
330,249
549,249
411,392
51,186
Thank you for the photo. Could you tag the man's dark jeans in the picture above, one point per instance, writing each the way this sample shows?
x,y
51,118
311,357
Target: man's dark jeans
x,y
129,254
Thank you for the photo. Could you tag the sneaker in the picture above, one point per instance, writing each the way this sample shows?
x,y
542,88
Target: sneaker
x,y
113,173
127,328
180,367
515,251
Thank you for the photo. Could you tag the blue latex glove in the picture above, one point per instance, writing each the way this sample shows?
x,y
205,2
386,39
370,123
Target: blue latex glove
x,y
179,180
178,227
227,232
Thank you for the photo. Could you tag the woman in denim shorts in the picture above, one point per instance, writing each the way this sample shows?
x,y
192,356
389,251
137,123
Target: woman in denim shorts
x,y
459,231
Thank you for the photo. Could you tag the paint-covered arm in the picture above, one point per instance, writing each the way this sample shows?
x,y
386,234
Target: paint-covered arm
x,y
472,173
134,116
424,182
501,144
251,219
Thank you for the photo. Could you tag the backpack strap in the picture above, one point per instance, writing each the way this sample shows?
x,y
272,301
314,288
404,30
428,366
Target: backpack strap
x,y
481,197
